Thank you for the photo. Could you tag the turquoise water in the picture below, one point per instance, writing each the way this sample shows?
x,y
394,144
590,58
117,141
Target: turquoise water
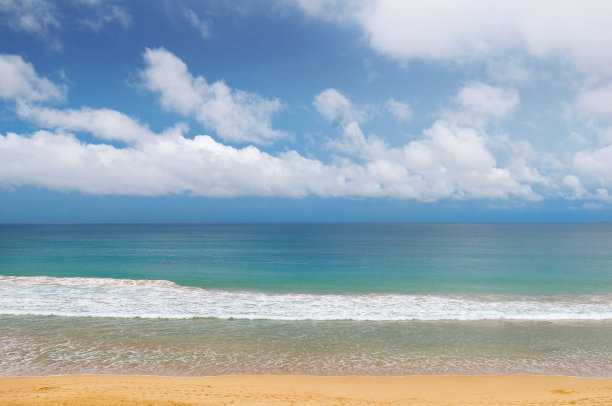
x,y
374,299
529,259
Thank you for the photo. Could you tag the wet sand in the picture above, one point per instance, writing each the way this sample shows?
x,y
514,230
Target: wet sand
x,y
305,390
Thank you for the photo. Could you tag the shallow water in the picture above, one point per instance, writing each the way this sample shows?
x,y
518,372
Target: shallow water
x,y
39,345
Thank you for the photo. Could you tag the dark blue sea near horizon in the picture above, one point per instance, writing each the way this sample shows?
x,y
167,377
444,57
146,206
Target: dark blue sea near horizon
x,y
322,299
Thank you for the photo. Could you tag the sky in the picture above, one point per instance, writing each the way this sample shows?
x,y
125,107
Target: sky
x,y
305,110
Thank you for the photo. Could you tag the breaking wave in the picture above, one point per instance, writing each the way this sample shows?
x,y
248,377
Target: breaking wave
x,y
102,297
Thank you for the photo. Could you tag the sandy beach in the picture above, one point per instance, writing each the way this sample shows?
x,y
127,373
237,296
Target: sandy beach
x,y
305,390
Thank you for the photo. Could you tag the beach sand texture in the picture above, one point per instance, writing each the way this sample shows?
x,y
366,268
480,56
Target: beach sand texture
x,y
305,390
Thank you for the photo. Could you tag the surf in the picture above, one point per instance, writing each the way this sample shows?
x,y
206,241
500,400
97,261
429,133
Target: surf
x,y
127,298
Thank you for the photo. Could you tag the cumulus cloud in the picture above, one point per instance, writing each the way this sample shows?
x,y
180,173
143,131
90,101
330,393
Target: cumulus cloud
x,y
21,82
528,165
486,100
450,159
166,164
510,40
590,173
595,166
401,111
576,32
234,115
449,163
354,143
336,107
457,159
574,184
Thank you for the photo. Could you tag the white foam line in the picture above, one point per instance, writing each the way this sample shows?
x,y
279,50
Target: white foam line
x,y
103,297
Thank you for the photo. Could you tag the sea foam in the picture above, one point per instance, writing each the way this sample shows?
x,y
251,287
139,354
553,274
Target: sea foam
x,y
101,297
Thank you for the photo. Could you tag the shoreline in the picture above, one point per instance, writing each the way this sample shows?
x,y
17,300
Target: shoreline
x,y
303,376
94,390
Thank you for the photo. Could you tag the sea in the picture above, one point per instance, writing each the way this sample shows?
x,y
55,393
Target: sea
x,y
383,299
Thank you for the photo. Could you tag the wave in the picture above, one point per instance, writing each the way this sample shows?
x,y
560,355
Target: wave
x,y
126,298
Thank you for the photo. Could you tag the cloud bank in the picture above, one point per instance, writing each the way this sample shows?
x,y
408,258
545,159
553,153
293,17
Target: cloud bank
x,y
451,160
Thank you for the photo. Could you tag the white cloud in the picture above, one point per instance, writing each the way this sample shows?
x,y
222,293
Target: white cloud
x,y
591,174
595,166
456,159
592,206
335,107
602,194
21,82
331,9
401,111
574,184
166,164
435,29
354,143
234,115
106,14
43,19
103,123
202,26
512,41
595,103
486,100
449,163
509,70
605,135
451,159
470,30
527,165
30,16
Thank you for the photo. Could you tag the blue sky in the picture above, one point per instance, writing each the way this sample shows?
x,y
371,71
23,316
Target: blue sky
x,y
305,110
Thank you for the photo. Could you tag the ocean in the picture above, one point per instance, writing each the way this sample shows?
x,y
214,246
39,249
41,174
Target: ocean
x,y
317,299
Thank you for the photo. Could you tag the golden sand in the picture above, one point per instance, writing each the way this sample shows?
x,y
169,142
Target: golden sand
x,y
305,390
